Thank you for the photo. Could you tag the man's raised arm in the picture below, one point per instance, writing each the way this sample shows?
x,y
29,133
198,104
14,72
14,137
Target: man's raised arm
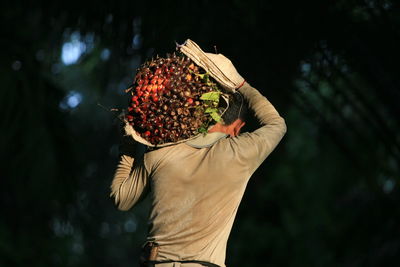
x,y
130,182
257,145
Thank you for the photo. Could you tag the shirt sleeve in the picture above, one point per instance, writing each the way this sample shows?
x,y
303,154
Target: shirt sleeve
x,y
130,182
255,146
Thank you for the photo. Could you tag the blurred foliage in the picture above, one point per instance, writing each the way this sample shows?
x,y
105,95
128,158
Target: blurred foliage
x,y
325,197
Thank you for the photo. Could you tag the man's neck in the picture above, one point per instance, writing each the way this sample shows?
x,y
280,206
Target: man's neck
x,y
232,129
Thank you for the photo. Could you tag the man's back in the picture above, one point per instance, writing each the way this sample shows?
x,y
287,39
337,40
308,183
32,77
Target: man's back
x,y
196,191
195,196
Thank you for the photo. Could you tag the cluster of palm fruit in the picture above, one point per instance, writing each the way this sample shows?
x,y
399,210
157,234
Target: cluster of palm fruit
x,y
170,100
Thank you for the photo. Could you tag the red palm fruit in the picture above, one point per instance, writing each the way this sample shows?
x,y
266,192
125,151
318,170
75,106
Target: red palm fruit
x,y
145,94
145,106
167,90
150,127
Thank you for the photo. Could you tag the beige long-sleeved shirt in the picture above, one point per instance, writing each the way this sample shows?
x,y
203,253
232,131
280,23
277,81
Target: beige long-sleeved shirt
x,y
196,189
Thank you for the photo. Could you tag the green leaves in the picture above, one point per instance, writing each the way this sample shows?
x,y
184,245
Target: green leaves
x,y
212,96
211,110
211,100
215,116
202,130
204,77
213,113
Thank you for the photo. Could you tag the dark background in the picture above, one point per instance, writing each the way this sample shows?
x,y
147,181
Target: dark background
x,y
327,196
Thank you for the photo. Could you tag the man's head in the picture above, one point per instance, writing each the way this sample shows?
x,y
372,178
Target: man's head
x,y
237,109
233,118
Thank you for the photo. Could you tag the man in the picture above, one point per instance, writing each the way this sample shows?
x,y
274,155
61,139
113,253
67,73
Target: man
x,y
196,187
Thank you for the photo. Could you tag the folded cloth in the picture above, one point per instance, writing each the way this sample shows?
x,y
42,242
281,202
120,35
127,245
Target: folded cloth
x,y
219,67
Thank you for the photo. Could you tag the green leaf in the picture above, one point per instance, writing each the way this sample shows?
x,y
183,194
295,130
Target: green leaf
x,y
212,96
210,110
215,116
204,77
202,130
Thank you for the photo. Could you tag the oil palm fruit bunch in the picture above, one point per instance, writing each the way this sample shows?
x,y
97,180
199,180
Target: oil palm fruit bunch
x,y
172,99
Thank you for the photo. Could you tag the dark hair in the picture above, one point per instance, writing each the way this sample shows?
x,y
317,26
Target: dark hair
x,y
237,109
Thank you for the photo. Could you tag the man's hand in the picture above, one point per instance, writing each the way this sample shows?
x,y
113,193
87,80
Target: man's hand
x,y
227,68
127,145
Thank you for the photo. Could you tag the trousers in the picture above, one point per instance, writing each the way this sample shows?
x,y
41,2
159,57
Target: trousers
x,y
178,264
149,254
